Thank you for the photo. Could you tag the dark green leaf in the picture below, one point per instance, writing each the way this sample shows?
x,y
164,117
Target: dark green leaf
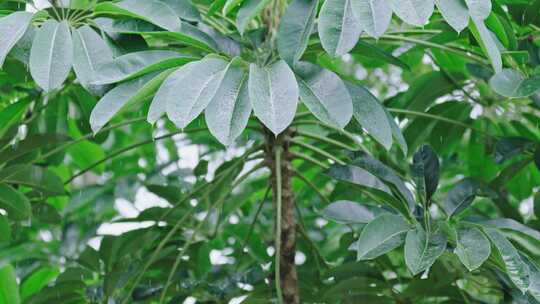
x,y
511,83
473,248
32,176
423,249
425,172
14,202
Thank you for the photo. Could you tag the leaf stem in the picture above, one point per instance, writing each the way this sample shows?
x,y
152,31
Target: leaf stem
x,y
317,150
311,185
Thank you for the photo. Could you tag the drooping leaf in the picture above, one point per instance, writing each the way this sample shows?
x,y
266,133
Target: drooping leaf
x,y
473,248
273,92
51,55
133,65
370,113
184,105
455,12
374,16
386,175
338,28
249,10
461,196
479,9
415,12
396,133
511,83
425,172
126,93
324,94
369,51
295,28
33,176
9,289
367,181
516,269
37,280
348,212
12,114
89,52
154,11
423,249
230,5
12,29
228,112
506,224
509,147
15,203
381,235
487,43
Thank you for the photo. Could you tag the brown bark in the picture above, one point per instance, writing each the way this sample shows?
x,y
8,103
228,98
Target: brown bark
x,y
288,275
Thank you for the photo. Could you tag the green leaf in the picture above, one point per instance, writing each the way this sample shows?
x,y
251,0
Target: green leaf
x,y
386,175
479,9
338,28
21,50
30,145
86,154
396,133
415,12
34,177
487,42
324,94
273,92
248,11
516,269
370,113
185,103
133,65
124,94
184,9
37,280
368,182
348,212
12,114
504,224
472,248
89,52
461,196
153,11
509,147
229,6
12,29
188,34
422,250
5,229
228,112
369,51
9,289
425,172
381,235
511,83
455,12
15,203
51,55
295,28
45,213
374,16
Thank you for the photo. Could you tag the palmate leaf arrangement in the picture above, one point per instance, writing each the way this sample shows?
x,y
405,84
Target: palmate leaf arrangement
x,y
191,68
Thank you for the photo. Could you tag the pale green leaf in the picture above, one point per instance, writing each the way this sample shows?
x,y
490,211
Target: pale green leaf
x,y
51,55
516,269
423,249
374,16
348,212
248,11
472,248
370,113
185,102
415,12
124,94
511,83
381,235
273,92
486,39
455,12
295,28
12,29
324,94
184,9
90,51
133,65
154,11
338,28
228,112
479,9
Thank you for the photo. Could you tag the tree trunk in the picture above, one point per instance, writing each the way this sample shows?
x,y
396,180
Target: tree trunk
x,y
288,275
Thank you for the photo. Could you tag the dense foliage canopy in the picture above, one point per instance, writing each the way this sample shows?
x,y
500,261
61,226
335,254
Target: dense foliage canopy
x,y
269,151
